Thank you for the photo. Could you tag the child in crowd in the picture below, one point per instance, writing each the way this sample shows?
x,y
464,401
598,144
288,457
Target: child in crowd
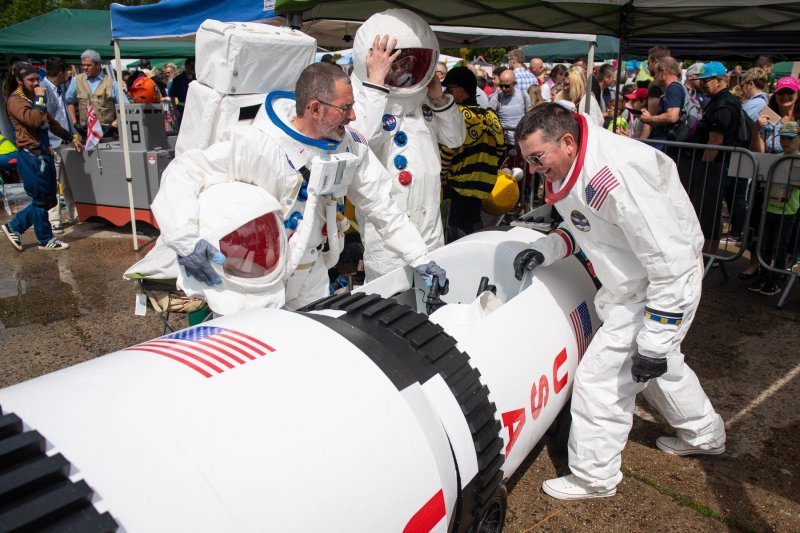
x,y
784,203
635,101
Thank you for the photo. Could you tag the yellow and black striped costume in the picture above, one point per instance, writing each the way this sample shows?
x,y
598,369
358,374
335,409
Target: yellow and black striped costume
x,y
471,169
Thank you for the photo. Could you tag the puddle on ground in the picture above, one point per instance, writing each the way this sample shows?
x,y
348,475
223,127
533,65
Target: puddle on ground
x,y
47,296
10,284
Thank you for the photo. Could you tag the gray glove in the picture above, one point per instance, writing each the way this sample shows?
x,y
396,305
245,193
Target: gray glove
x,y
428,270
198,263
645,368
527,260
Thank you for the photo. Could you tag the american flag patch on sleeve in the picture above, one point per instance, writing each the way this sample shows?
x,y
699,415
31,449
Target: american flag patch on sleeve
x,y
357,136
599,186
208,350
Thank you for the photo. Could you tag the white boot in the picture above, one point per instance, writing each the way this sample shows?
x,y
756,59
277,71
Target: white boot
x,y
569,488
676,446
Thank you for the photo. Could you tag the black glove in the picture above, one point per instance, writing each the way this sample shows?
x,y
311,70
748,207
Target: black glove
x,y
428,270
198,263
527,260
645,368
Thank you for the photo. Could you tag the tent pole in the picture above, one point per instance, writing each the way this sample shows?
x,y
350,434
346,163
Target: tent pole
x,y
126,154
617,90
589,75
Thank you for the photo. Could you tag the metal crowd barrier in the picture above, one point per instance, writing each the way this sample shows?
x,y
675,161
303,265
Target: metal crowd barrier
x,y
777,236
731,180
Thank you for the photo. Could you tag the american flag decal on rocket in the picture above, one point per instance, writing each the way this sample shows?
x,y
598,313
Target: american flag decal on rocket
x,y
208,350
581,322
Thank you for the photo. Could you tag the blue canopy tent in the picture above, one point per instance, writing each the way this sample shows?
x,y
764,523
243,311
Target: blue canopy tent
x,y
173,20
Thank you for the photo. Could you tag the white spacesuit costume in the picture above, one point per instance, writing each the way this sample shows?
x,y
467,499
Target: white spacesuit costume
x,y
273,156
623,205
404,128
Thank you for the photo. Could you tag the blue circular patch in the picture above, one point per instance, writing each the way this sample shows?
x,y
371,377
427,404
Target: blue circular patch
x,y
401,138
389,122
580,221
400,162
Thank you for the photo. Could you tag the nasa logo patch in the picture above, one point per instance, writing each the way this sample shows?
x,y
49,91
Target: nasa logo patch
x,y
389,122
427,113
580,221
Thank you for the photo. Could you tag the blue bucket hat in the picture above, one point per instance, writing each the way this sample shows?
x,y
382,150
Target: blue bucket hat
x,y
712,69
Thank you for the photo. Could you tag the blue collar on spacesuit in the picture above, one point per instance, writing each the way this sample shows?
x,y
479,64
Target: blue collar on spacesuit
x,y
324,144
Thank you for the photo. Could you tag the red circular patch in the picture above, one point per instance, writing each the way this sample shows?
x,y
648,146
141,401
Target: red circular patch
x,y
404,178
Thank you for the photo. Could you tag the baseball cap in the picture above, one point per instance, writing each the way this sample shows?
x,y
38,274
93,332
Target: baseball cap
x,y
638,94
789,129
695,69
461,77
787,82
713,69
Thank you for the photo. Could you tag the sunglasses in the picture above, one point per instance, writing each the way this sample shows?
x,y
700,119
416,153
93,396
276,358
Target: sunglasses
x,y
785,92
506,85
536,160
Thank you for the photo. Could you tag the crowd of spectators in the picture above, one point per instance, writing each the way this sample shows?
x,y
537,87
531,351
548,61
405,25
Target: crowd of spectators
x,y
663,100
668,100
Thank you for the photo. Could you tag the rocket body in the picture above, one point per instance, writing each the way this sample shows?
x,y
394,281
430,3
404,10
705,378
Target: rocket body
x,y
356,414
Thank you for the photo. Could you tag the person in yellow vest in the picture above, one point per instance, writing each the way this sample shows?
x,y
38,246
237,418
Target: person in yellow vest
x,y
8,154
470,170
92,86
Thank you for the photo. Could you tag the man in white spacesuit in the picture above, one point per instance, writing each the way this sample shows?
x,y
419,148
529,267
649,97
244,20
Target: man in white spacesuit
x,y
277,153
623,205
404,113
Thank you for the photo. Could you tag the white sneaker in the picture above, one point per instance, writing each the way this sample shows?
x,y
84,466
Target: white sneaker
x,y
569,488
57,227
676,446
54,244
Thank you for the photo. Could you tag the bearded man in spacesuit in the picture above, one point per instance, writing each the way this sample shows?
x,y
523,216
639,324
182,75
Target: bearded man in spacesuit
x,y
623,205
231,237
404,113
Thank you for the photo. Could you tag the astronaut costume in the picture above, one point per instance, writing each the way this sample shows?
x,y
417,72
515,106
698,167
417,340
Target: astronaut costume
x,y
624,206
404,128
273,156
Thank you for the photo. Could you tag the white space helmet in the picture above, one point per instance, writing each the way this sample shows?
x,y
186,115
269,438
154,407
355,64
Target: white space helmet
x,y
244,222
413,69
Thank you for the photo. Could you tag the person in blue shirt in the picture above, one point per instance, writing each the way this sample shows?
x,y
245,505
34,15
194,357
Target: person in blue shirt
x,y
667,76
179,87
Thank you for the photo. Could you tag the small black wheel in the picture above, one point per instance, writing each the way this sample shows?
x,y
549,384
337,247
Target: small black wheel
x,y
494,513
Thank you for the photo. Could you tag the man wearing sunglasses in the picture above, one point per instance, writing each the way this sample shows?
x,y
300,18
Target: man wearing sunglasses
x,y
405,115
278,154
625,208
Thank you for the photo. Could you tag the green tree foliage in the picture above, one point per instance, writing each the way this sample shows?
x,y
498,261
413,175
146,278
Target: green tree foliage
x,y
14,11
495,56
